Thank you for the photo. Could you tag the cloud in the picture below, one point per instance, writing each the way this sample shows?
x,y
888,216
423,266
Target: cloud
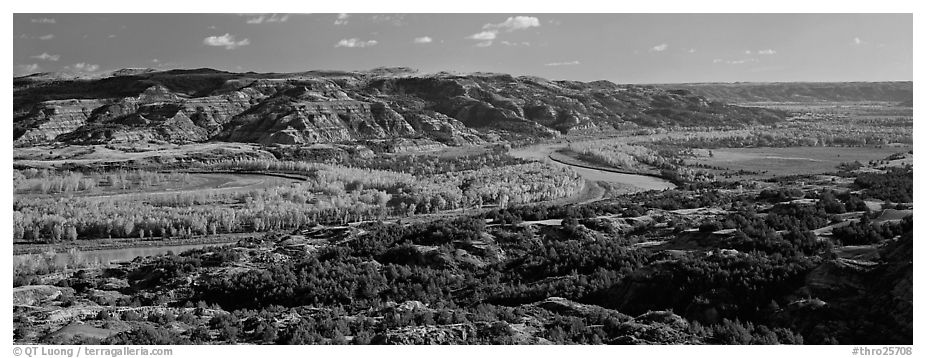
x,y
522,43
44,20
227,41
342,19
735,62
659,47
691,50
514,23
85,67
158,63
484,36
111,36
45,56
423,40
767,52
354,42
570,63
490,31
392,19
858,41
268,18
26,69
46,37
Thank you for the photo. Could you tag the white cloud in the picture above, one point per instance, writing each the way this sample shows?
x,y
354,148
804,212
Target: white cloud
x,y
45,56
342,19
659,47
423,40
570,63
354,42
691,50
111,36
392,19
490,31
46,37
268,18
858,41
767,52
85,67
227,41
82,67
735,62
522,43
44,20
514,23
26,69
484,36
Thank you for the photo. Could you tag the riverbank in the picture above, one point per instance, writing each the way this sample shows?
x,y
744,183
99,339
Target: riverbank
x,y
633,182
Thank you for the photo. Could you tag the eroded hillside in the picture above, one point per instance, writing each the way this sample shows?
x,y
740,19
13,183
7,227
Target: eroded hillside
x,y
321,107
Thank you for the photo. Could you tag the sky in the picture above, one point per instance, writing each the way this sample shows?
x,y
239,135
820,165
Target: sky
x,y
622,48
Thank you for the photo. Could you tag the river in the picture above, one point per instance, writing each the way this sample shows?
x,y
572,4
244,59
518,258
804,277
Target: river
x,y
629,183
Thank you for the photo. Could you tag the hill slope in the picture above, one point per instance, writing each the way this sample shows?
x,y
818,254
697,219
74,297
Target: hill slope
x,y
333,106
801,91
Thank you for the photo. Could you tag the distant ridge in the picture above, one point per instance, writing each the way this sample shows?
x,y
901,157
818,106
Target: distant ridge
x,y
324,106
739,92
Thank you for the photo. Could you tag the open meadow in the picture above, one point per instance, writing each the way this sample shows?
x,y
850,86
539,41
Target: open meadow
x,y
769,162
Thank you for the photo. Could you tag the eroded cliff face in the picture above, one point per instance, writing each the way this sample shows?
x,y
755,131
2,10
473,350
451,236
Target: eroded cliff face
x,y
316,107
50,119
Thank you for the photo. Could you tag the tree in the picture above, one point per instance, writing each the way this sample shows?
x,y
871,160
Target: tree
x,y
18,231
503,200
71,233
36,234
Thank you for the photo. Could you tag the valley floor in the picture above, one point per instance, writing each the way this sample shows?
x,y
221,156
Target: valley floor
x,y
739,236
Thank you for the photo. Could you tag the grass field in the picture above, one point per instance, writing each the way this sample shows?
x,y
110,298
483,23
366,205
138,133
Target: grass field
x,y
792,160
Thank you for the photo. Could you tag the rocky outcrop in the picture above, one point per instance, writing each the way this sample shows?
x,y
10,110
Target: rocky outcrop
x,y
50,119
325,107
433,334
652,327
570,308
79,330
38,294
